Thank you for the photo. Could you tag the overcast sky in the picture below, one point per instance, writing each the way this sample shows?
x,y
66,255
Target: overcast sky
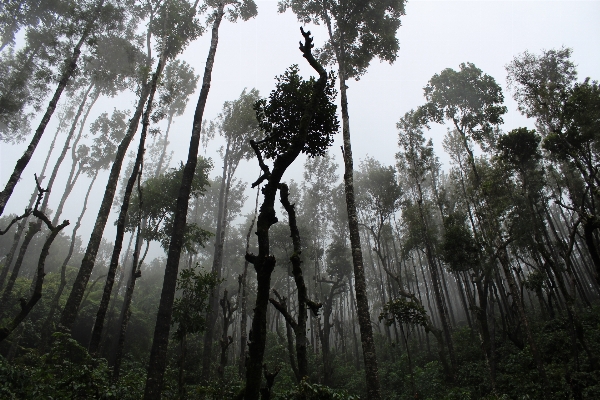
x,y
434,35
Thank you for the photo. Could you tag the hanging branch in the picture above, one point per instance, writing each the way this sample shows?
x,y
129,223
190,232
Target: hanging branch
x,y
26,214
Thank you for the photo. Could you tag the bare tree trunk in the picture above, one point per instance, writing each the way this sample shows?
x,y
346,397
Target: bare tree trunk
x,y
158,355
213,307
299,325
70,180
136,174
244,299
87,265
264,262
69,69
26,307
21,225
46,329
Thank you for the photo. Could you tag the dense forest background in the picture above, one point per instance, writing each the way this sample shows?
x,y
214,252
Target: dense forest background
x,y
269,261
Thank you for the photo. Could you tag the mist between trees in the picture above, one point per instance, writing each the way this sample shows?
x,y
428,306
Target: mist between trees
x,y
366,281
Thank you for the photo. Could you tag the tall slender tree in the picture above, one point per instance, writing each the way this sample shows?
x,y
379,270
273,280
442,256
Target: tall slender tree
x,y
298,117
92,20
173,16
235,9
237,124
358,32
414,161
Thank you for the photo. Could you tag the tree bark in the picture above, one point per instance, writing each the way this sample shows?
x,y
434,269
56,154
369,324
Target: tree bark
x,y
69,69
72,180
70,311
45,331
26,307
264,262
118,244
360,285
244,277
213,307
158,355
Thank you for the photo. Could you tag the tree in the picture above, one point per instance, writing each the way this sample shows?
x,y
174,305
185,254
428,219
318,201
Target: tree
x,y
470,100
189,309
158,355
414,161
17,14
172,16
358,32
89,22
566,113
178,83
379,196
303,112
237,123
27,306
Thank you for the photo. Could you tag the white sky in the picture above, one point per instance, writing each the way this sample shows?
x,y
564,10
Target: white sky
x,y
434,35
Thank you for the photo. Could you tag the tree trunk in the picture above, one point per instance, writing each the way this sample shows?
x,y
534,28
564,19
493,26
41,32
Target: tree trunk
x,y
158,355
26,307
69,69
126,307
264,262
112,330
46,329
244,316
70,180
70,311
118,244
21,225
213,307
360,285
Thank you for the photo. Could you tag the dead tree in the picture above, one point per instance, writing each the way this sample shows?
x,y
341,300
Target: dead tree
x,y
27,306
300,117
